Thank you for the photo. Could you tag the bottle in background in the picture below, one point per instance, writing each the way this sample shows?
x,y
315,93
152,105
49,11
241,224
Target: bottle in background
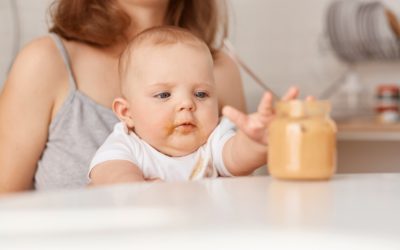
x,y
387,103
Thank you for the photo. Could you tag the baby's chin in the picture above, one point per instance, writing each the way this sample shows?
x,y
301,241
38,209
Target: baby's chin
x,y
181,149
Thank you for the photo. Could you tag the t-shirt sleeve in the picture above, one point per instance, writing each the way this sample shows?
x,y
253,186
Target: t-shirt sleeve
x,y
223,132
119,145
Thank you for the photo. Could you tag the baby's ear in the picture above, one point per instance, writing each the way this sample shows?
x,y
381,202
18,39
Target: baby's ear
x,y
120,107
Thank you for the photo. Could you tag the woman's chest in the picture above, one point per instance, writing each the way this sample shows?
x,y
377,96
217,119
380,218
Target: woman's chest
x,y
96,75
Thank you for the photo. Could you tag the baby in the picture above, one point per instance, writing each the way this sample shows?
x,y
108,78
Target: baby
x,y
170,127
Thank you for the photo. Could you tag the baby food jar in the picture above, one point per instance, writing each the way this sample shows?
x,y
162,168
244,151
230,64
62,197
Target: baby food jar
x,y
302,141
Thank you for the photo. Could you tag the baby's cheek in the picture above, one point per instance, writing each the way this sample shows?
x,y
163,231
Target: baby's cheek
x,y
168,129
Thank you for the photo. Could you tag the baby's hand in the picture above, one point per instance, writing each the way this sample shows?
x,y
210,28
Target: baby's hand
x,y
255,125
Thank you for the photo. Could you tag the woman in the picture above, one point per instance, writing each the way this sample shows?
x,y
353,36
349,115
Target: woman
x,y
55,107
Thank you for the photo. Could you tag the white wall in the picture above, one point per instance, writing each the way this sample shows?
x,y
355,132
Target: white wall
x,y
280,40
285,43
6,31
32,23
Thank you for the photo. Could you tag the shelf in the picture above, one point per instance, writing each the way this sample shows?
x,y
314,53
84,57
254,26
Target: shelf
x,y
368,130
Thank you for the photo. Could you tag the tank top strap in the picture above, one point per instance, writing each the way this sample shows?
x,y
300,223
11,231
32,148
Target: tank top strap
x,y
64,53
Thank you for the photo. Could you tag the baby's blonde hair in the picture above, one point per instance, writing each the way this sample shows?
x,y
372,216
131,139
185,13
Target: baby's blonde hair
x,y
157,36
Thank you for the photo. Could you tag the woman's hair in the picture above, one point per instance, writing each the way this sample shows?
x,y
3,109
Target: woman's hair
x,y
104,23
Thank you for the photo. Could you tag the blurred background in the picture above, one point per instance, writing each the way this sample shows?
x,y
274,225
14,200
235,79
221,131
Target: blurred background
x,y
345,51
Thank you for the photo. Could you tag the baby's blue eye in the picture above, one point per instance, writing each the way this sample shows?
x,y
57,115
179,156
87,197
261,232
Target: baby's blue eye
x,y
163,95
201,94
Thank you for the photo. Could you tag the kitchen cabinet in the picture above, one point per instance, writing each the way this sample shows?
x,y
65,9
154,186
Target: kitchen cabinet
x,y
367,146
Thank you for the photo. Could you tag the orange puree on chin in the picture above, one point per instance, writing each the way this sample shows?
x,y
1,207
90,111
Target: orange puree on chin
x,y
302,141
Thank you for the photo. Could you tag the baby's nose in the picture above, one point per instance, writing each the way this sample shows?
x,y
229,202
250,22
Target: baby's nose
x,y
187,104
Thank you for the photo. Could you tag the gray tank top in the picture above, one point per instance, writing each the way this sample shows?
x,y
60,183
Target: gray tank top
x,y
78,129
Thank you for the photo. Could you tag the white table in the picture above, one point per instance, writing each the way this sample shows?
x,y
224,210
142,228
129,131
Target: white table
x,y
360,211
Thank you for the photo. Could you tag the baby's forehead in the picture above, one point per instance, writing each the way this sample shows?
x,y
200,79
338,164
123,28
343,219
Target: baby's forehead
x,y
157,48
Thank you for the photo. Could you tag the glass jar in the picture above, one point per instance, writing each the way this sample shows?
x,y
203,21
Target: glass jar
x,y
302,141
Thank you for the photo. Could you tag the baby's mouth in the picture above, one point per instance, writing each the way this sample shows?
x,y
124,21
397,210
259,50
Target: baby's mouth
x,y
185,127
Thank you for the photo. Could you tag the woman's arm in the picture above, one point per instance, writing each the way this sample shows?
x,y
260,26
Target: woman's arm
x,y
115,171
26,109
229,83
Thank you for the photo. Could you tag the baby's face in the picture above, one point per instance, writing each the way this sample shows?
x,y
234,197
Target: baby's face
x,y
172,97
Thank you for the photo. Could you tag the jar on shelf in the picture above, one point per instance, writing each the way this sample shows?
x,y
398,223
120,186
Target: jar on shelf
x,y
302,141
387,103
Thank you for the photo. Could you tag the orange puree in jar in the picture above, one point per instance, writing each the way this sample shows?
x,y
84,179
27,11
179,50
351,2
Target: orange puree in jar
x,y
302,141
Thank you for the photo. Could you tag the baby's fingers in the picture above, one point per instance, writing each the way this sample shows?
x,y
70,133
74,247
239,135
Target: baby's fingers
x,y
310,98
292,93
265,107
237,117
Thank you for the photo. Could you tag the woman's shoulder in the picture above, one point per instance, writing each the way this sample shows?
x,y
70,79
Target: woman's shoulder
x,y
223,59
229,82
226,68
39,69
42,42
41,51
39,61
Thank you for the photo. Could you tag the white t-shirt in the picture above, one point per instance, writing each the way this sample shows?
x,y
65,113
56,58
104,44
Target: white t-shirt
x,y
206,162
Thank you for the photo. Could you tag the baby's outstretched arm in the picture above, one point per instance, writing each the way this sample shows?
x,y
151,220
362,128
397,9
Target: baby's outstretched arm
x,y
115,171
247,150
